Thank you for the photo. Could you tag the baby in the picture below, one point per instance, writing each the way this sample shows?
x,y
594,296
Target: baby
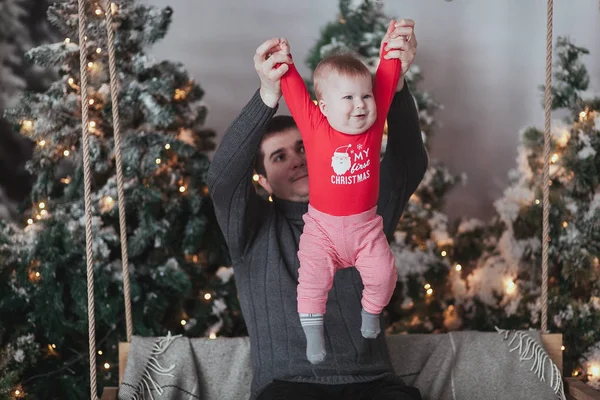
x,y
342,138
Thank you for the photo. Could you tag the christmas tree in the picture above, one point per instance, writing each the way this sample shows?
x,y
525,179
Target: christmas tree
x,y
503,286
176,253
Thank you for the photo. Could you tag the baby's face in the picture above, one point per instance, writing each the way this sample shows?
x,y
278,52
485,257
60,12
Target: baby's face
x,y
348,103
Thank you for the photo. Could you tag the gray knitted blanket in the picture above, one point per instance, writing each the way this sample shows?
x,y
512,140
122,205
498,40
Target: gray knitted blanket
x,y
453,366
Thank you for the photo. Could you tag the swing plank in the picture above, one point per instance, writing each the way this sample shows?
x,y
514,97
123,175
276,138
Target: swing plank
x,y
580,391
553,344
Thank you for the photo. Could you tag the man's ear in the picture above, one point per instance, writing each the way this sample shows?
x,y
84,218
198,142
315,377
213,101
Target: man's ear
x,y
264,182
323,107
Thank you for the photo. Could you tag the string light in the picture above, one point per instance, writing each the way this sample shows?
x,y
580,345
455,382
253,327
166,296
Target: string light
x,y
42,143
114,8
106,365
90,64
510,286
42,205
29,221
182,189
563,140
92,124
43,212
429,292
554,158
595,370
66,180
212,335
91,102
562,348
537,201
71,81
99,352
98,50
17,392
167,146
67,40
66,153
28,124
565,224
207,296
53,345
582,115
38,217
179,94
158,161
458,267
255,177
183,322
270,199
443,253
427,286
98,11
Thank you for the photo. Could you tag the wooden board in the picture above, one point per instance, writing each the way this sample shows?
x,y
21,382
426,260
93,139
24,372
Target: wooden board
x,y
110,393
553,345
123,354
580,391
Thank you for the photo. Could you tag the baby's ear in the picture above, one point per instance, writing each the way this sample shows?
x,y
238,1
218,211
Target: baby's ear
x,y
323,107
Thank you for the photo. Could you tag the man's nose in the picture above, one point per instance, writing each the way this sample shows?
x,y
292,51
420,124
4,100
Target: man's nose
x,y
298,161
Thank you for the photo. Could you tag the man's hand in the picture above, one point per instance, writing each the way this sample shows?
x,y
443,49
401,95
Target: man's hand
x,y
271,62
401,43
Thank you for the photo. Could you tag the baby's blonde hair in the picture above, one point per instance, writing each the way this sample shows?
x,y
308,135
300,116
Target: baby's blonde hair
x,y
346,65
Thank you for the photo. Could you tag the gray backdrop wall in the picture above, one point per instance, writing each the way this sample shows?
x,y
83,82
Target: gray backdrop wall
x,y
482,59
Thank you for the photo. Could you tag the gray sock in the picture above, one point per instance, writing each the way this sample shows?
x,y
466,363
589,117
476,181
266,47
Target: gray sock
x,y
312,324
370,325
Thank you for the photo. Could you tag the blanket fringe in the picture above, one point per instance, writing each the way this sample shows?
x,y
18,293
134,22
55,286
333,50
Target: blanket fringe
x,y
148,382
529,349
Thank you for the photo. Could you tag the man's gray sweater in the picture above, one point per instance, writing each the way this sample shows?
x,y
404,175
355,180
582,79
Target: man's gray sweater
x,y
263,240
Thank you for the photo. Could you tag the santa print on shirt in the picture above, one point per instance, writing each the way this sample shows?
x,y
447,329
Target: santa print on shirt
x,y
343,169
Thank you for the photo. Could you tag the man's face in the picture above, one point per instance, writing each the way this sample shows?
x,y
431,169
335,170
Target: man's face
x,y
285,166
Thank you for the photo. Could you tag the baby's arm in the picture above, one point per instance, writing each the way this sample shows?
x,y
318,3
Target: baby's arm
x,y
386,80
303,110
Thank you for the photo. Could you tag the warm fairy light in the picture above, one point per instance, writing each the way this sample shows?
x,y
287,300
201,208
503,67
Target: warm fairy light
x,y
66,153
158,161
29,221
458,267
53,345
91,102
510,286
582,115
90,64
563,140
37,275
99,352
443,253
42,143
182,189
565,224
429,292
562,348
179,94
183,322
38,217
98,11
66,180
67,40
71,81
167,146
92,124
595,370
28,124
17,392
98,50
270,198
108,200
43,212
537,201
114,8
554,158
207,296
255,177
42,205
212,335
427,286
106,365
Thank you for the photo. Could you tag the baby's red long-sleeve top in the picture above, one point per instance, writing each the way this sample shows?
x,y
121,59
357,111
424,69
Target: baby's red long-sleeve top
x,y
343,169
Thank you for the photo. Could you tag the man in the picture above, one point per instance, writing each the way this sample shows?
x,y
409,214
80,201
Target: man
x,y
263,239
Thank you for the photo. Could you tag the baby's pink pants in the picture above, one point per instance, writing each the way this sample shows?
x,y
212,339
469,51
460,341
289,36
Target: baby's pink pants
x,y
329,243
